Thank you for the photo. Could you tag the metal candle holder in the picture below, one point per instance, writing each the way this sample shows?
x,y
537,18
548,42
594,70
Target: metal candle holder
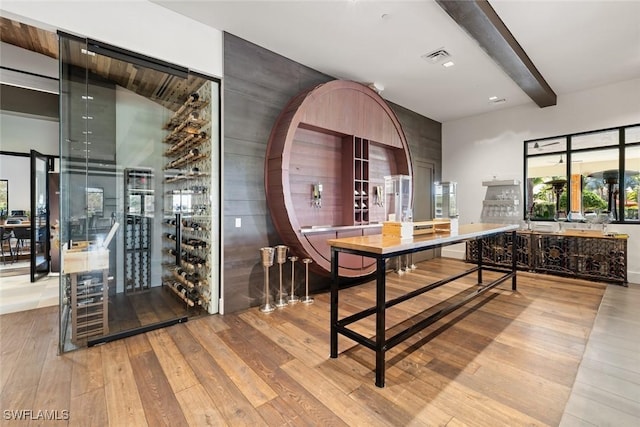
x,y
267,261
281,258
307,299
409,265
292,297
399,268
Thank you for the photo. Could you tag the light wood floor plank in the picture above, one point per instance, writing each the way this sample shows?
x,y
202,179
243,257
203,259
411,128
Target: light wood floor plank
x,y
89,409
158,400
248,382
198,408
124,406
85,377
178,372
229,400
350,412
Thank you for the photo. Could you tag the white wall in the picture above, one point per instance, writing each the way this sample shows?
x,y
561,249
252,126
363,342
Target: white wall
x,y
139,128
481,147
22,134
16,170
137,25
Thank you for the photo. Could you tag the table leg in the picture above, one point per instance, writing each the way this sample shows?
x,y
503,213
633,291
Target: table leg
x,y
480,249
514,258
380,321
334,303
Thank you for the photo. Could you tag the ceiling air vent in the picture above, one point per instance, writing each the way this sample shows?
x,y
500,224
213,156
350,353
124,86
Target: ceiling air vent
x,y
436,56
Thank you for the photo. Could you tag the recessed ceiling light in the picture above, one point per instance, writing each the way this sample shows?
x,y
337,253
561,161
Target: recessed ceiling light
x,y
448,64
496,100
493,98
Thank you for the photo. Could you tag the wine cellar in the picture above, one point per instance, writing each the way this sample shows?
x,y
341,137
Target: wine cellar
x,y
187,210
140,159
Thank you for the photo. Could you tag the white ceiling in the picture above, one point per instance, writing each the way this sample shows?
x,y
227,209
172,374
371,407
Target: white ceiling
x,y
576,45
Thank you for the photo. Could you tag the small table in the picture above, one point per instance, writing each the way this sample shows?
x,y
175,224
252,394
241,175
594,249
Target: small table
x,y
384,247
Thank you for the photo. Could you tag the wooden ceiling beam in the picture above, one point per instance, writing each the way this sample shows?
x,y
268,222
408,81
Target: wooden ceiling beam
x,y
481,21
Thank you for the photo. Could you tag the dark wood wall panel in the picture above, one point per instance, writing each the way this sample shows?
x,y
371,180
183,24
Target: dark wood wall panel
x,y
424,136
258,84
316,158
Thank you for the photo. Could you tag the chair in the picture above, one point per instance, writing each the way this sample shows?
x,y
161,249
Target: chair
x,y
21,234
6,236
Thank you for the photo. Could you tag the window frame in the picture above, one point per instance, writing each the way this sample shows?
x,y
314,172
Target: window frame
x,y
567,153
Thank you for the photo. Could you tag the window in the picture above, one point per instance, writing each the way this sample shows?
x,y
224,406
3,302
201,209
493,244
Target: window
x,y
584,177
4,198
95,201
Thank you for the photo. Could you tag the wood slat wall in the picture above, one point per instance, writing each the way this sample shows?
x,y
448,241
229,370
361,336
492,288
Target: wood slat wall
x,y
508,358
258,84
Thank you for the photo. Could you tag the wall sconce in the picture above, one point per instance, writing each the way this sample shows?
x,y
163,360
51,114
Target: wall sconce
x,y
316,195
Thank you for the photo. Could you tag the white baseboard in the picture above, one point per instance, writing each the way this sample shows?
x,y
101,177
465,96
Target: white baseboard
x,y
454,251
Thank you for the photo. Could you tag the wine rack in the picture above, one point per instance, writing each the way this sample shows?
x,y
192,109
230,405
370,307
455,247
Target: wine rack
x,y
89,305
187,205
139,210
356,168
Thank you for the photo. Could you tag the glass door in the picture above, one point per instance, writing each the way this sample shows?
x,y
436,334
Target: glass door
x,y
39,216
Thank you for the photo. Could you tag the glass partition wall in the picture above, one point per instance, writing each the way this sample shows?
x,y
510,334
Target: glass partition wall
x,y
139,212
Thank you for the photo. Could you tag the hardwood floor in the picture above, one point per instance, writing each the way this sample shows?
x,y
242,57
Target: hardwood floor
x,y
505,359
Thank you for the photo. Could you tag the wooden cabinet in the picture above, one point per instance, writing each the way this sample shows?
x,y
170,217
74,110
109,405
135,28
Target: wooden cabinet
x,y
89,305
580,254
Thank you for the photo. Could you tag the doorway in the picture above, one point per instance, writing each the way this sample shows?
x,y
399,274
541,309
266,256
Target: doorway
x,y
18,292
423,179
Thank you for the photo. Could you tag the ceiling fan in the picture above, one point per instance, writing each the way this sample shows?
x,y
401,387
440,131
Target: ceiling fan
x,y
561,161
538,146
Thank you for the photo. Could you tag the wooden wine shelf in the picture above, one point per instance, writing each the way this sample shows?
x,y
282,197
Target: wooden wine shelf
x,y
188,132
180,295
179,116
89,319
177,164
186,177
189,142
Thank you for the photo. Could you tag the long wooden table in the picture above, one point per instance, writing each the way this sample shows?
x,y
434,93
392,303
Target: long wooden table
x,y
384,247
